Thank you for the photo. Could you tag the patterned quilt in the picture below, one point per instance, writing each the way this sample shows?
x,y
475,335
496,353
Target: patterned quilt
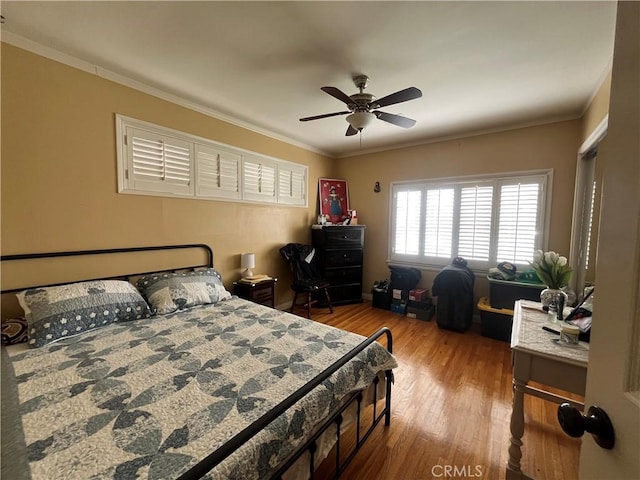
x,y
151,398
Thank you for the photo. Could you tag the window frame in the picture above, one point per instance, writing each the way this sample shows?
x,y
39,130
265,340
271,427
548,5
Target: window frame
x,y
544,176
298,196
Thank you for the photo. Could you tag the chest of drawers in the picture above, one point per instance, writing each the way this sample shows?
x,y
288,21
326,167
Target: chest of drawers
x,y
340,249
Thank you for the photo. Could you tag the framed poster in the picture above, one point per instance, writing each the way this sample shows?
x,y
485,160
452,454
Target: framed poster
x,y
334,199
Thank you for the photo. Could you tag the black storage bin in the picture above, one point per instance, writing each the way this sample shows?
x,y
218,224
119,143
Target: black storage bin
x,y
495,322
504,293
381,299
454,288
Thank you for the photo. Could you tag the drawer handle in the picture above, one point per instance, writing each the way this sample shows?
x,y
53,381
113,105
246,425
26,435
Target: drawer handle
x,y
344,237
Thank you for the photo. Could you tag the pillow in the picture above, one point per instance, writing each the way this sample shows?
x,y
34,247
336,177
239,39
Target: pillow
x,y
58,312
168,292
14,330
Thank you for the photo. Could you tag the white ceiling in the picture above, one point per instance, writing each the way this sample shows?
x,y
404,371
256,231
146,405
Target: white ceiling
x,y
482,66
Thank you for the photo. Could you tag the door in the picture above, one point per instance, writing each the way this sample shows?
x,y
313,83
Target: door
x,y
613,379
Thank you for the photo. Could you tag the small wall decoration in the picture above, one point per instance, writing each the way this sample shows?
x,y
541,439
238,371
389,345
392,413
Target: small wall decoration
x,y
334,199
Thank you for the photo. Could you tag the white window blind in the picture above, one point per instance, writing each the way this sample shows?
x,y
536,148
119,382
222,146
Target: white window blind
x,y
485,220
155,160
292,184
476,205
438,231
590,228
218,173
407,222
259,179
518,222
159,163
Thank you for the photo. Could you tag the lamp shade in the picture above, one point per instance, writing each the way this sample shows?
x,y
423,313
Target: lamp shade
x,y
248,262
361,120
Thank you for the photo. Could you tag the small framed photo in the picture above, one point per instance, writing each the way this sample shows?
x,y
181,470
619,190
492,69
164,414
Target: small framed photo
x,y
334,199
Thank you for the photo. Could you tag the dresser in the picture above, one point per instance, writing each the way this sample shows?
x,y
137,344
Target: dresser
x,y
340,249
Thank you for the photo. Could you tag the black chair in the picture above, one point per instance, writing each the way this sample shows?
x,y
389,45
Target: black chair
x,y
306,279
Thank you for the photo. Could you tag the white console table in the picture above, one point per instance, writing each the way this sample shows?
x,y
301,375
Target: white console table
x,y
536,357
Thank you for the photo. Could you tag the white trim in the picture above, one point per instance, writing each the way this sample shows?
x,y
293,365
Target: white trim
x,y
471,178
603,76
595,137
462,135
582,206
69,60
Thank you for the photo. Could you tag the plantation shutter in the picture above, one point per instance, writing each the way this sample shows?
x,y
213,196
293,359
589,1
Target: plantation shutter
x,y
438,230
159,163
518,221
407,215
259,179
292,183
217,173
474,240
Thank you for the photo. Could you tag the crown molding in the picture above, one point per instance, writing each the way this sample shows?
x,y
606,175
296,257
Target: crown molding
x,y
88,67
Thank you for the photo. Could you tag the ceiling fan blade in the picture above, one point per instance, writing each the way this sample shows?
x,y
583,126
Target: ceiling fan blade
x,y
351,131
339,94
398,120
405,95
326,115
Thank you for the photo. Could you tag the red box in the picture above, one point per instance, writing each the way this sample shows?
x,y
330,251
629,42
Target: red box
x,y
418,294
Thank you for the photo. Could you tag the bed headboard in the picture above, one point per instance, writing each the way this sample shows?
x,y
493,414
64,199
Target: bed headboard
x,y
31,270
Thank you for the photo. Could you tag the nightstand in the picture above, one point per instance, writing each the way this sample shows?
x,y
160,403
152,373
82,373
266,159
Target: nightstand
x,y
263,293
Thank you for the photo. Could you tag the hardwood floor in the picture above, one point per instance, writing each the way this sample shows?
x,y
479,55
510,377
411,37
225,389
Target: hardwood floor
x,y
451,405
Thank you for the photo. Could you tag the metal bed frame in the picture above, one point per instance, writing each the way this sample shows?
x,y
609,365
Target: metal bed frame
x,y
216,457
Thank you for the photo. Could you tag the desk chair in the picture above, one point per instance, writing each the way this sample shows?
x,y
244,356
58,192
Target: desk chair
x,y
306,280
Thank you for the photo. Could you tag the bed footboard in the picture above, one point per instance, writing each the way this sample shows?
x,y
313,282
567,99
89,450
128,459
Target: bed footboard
x,y
243,436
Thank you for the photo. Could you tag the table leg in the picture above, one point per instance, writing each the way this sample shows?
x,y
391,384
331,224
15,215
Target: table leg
x,y
517,431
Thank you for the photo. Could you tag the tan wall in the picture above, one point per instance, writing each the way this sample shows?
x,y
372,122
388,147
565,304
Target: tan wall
x,y
59,184
59,174
548,146
597,109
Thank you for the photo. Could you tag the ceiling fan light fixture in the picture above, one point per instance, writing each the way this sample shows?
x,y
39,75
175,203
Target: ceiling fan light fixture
x,y
361,120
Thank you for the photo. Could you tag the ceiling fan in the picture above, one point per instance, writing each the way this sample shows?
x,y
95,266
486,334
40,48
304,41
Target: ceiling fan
x,y
363,106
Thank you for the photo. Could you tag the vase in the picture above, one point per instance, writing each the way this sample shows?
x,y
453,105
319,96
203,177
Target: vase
x,y
552,299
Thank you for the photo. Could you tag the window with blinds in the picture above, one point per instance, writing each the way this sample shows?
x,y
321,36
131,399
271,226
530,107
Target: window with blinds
x,y
259,179
159,163
484,220
292,184
218,173
155,160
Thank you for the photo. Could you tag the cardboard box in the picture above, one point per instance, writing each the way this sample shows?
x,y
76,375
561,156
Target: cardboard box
x,y
418,294
398,294
494,322
421,313
399,306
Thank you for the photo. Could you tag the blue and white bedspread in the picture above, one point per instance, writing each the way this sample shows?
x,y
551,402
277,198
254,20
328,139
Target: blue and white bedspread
x,y
151,398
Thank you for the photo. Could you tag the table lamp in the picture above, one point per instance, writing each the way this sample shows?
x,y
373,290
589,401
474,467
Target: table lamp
x,y
248,262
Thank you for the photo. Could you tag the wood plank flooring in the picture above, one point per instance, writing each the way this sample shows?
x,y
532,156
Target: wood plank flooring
x,y
451,407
